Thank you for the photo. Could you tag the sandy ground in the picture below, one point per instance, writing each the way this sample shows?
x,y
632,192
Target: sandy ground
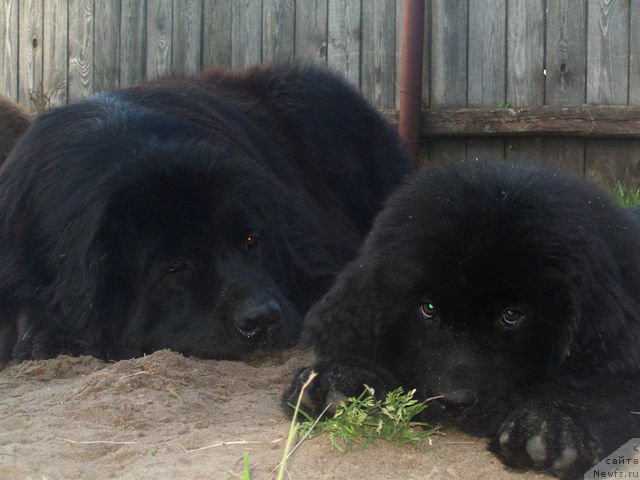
x,y
166,416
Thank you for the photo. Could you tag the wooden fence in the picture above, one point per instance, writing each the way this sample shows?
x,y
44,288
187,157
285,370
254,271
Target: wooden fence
x,y
479,54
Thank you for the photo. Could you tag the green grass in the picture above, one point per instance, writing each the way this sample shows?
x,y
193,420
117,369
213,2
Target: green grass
x,y
626,197
245,467
363,419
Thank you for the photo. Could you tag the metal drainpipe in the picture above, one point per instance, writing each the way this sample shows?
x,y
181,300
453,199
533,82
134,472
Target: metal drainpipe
x,y
410,123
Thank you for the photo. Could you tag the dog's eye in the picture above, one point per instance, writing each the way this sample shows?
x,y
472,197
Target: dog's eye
x,y
427,311
176,265
251,241
511,317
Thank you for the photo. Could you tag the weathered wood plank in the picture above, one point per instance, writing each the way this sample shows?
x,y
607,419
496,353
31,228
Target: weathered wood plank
x,y
106,70
566,52
344,34
30,51
449,70
278,30
525,52
581,121
398,52
132,42
565,154
525,75
425,156
216,48
608,50
311,30
55,52
634,53
159,37
449,54
614,162
487,53
566,76
608,82
246,32
487,68
187,36
9,53
80,49
378,77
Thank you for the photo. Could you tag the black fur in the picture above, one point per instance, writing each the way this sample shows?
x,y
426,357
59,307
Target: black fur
x,y
13,123
534,334
198,214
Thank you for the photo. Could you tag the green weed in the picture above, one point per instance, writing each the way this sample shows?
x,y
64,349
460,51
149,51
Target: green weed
x,y
624,196
363,419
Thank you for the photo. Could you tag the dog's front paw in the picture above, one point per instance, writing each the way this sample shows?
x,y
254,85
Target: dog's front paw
x,y
544,438
334,383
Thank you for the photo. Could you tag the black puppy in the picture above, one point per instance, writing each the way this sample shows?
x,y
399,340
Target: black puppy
x,y
200,214
510,293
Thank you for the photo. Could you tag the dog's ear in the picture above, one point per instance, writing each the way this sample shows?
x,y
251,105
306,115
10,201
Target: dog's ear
x,y
349,321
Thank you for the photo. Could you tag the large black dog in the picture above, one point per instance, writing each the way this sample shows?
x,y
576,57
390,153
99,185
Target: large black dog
x,y
511,294
199,214
13,123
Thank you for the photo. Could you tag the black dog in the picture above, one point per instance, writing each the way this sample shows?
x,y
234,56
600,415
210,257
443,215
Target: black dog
x,y
510,293
198,214
13,123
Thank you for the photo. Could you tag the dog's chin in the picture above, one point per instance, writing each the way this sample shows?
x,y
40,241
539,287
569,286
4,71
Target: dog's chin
x,y
480,418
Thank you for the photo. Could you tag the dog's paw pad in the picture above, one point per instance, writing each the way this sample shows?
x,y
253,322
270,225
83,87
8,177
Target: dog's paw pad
x,y
542,438
537,449
565,460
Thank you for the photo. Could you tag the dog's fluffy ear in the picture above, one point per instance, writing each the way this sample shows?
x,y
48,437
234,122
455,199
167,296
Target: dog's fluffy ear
x,y
348,320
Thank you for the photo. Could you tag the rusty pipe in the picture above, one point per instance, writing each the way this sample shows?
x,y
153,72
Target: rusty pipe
x,y
410,122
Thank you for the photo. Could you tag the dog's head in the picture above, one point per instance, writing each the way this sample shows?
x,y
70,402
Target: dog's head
x,y
479,281
210,256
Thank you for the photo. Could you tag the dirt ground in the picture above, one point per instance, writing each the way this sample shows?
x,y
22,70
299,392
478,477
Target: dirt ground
x,y
167,416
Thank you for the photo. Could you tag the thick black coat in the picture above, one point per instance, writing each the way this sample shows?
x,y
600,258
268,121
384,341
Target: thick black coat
x,y
200,214
13,123
512,294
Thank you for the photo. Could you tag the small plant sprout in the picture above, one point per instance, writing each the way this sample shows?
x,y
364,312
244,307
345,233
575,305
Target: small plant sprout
x,y
626,197
363,419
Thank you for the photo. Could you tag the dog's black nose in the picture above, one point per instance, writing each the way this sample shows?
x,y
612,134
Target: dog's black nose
x,y
458,399
258,317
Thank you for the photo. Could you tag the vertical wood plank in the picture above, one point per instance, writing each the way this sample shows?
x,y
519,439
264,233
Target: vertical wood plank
x,y
525,74
106,62
426,77
278,30
608,50
607,82
216,39
398,52
634,53
486,69
566,77
80,49
311,29
9,42
566,52
132,42
246,33
187,34
378,77
449,54
30,51
611,160
344,38
449,70
159,37
525,52
54,51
